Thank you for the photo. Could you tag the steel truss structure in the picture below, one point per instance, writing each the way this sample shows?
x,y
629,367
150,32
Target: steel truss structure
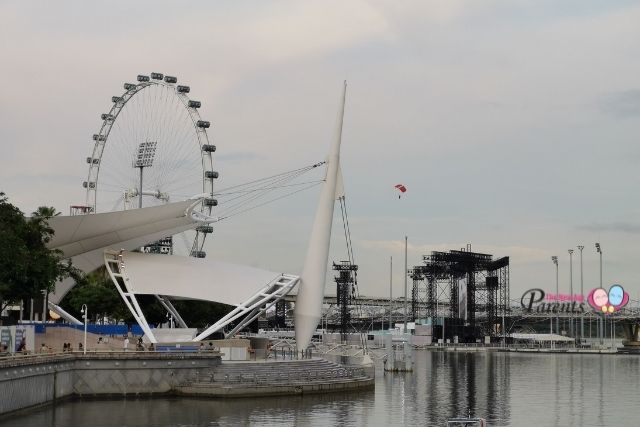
x,y
469,289
242,315
344,291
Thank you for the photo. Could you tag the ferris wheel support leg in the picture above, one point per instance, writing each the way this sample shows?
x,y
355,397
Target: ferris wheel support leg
x,y
114,265
166,303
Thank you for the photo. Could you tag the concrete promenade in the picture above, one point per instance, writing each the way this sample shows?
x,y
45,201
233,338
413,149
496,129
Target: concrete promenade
x,y
27,381
32,380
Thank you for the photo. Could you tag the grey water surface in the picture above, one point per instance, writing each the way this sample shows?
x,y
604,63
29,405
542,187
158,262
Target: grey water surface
x,y
508,389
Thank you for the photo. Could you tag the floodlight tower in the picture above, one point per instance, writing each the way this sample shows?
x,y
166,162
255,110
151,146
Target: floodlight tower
x,y
600,325
144,159
581,247
571,331
555,261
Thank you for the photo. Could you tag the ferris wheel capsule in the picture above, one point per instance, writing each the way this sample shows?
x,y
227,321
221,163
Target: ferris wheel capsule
x,y
194,104
129,86
210,201
183,89
170,79
157,76
143,78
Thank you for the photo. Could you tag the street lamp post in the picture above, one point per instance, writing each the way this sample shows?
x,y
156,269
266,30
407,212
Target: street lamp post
x,y
581,247
85,315
555,261
390,293
405,285
571,332
600,325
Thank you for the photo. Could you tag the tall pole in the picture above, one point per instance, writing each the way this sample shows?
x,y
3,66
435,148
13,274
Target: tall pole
x,y
581,247
555,261
405,284
571,332
390,293
140,192
85,312
600,321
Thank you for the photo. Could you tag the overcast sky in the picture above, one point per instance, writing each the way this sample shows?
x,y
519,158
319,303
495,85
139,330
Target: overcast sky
x,y
514,124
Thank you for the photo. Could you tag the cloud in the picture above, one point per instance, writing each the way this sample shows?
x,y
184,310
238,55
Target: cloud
x,y
239,156
624,104
618,227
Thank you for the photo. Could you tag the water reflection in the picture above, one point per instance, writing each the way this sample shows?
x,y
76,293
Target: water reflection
x,y
508,389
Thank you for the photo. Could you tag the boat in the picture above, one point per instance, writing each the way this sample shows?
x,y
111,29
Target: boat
x,y
466,422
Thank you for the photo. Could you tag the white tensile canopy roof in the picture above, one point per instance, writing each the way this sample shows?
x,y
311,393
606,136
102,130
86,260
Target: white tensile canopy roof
x,y
250,290
193,278
84,238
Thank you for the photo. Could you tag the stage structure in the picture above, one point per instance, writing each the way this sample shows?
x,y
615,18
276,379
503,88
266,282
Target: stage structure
x,y
344,292
463,292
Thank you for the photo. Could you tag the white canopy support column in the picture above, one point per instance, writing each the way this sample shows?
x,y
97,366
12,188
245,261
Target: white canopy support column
x,y
115,268
253,307
64,314
166,303
308,309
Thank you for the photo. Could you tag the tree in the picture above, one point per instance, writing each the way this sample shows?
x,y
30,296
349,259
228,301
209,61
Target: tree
x,y
96,291
199,314
27,267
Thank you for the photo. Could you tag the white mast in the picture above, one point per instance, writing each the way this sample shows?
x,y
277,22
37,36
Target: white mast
x,y
308,309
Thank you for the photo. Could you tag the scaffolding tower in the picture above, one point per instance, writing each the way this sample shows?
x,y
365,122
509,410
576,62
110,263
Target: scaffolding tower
x,y
344,291
466,292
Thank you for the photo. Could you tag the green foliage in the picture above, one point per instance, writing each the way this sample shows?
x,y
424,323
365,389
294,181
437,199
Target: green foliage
x,y
98,293
27,267
198,314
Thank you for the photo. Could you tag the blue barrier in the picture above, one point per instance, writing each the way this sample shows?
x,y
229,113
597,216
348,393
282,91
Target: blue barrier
x,y
182,348
92,328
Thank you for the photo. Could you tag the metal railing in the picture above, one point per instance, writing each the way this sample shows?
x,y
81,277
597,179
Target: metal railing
x,y
282,377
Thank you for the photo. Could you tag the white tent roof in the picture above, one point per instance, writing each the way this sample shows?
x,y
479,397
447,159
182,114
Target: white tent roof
x,y
83,233
84,238
193,278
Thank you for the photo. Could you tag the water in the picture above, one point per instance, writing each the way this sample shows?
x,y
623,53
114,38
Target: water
x,y
506,388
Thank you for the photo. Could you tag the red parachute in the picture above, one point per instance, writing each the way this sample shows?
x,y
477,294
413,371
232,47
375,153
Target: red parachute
x,y
402,189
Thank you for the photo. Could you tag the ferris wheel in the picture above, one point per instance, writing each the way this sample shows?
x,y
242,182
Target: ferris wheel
x,y
152,148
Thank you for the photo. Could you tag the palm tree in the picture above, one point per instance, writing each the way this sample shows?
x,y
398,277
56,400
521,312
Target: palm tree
x,y
45,212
